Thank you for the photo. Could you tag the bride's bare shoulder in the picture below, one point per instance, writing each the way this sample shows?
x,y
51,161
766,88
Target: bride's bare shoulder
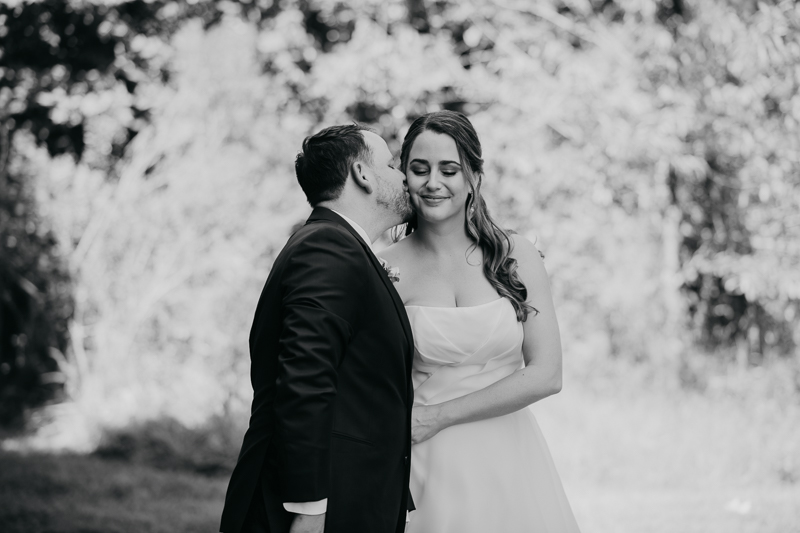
x,y
397,252
524,251
530,265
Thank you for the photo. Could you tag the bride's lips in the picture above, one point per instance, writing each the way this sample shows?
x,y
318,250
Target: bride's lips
x,y
432,199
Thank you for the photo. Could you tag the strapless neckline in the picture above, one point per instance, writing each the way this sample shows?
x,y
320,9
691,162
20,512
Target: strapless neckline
x,y
456,307
472,336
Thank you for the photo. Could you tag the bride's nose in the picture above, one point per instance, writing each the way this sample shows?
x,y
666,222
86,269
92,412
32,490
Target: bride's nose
x,y
433,181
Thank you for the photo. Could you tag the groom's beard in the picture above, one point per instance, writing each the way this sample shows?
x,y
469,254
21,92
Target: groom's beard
x,y
396,201
410,212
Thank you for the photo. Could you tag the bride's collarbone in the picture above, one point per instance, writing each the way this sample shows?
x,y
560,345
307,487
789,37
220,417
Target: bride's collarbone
x,y
446,265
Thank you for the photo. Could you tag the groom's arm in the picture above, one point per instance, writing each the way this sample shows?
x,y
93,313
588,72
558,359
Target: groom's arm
x,y
321,288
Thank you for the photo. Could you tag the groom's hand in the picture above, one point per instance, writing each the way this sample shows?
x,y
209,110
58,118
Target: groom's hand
x,y
308,523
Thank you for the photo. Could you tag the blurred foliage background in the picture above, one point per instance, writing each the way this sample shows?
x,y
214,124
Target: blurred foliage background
x,y
651,148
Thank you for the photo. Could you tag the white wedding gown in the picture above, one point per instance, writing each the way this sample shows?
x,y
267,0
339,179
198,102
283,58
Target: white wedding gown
x,y
495,475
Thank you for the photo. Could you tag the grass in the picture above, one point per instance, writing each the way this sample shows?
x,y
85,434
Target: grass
x,y
86,494
43,493
657,460
600,510
633,460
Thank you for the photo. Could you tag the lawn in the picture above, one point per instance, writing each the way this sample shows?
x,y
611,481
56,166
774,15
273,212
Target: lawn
x,y
600,510
641,461
655,461
42,493
85,494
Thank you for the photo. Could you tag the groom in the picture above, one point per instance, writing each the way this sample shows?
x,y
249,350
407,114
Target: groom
x,y
328,445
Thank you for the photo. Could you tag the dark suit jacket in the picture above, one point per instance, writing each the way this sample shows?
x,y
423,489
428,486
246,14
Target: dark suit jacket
x,y
330,352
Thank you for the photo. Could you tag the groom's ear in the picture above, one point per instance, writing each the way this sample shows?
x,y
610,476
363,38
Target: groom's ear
x,y
359,174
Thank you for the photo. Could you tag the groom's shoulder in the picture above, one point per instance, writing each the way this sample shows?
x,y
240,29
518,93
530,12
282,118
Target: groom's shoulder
x,y
323,231
324,238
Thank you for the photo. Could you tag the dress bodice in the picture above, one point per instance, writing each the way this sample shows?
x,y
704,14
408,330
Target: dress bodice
x,y
458,350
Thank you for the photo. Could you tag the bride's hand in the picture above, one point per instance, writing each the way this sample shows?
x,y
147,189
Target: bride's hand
x,y
425,423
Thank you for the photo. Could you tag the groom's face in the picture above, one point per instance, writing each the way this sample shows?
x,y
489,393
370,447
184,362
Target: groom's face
x,y
391,190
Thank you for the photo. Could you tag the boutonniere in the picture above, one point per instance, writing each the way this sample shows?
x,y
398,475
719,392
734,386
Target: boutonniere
x,y
392,272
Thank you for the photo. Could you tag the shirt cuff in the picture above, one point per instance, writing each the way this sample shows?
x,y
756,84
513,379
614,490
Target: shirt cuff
x,y
309,508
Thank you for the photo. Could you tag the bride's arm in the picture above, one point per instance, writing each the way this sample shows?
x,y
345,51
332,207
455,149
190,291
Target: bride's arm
x,y
541,350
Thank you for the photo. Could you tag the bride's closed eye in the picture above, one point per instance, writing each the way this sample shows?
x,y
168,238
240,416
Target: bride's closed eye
x,y
420,170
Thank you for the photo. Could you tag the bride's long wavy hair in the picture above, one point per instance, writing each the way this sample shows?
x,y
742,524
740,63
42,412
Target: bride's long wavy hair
x,y
495,243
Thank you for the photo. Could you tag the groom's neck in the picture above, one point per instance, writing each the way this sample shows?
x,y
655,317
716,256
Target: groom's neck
x,y
358,214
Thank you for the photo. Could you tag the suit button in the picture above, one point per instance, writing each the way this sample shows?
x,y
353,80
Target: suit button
x,y
405,460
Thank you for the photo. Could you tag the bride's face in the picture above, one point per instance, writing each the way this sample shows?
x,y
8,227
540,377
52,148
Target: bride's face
x,y
435,178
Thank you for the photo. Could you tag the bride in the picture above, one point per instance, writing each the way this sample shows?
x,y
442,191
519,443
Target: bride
x,y
486,346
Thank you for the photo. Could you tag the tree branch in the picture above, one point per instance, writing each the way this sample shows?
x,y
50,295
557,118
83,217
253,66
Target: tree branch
x,y
548,15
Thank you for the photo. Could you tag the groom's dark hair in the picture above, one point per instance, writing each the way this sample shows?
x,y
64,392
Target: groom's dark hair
x,y
324,164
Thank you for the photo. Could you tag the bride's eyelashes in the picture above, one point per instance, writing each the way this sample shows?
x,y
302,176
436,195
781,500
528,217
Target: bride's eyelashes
x,y
419,172
424,171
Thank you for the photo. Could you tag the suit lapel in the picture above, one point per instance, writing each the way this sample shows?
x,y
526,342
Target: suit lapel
x,y
398,303
321,213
